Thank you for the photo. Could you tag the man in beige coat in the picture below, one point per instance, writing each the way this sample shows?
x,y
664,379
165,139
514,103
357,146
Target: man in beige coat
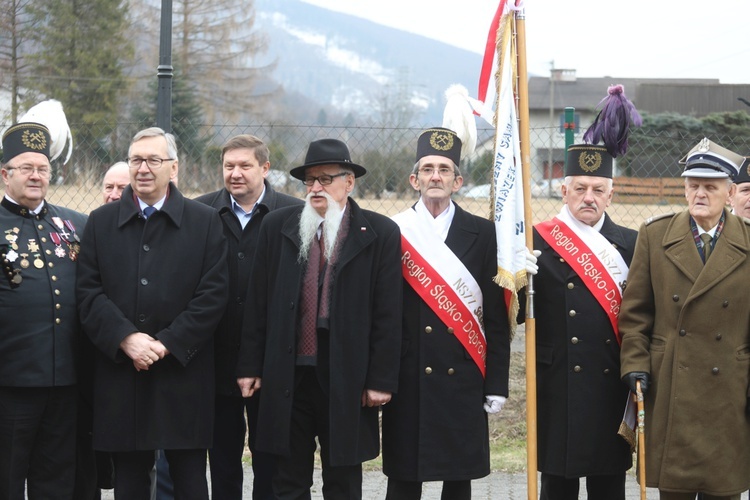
x,y
686,336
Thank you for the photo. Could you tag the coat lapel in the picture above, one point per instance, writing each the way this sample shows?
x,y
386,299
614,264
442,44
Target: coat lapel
x,y
361,234
462,234
730,252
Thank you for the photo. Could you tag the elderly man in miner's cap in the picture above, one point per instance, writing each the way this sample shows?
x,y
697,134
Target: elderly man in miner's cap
x,y
39,328
583,259
684,324
455,360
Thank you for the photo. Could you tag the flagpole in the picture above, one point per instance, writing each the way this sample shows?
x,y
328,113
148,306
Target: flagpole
x,y
523,118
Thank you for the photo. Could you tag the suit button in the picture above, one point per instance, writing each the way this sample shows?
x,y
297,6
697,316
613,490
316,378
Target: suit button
x,y
577,369
51,264
57,322
606,371
572,313
450,330
57,306
239,300
54,278
48,252
571,286
291,305
57,292
144,281
146,248
574,340
676,298
241,255
141,318
725,304
608,341
428,370
451,371
44,240
286,393
428,329
718,336
562,260
289,349
714,370
683,333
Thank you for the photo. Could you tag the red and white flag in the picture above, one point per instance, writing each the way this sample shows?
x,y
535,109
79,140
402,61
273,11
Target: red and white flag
x,y
508,208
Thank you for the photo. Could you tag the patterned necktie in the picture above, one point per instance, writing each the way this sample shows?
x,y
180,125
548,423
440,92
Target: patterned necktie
x,y
308,340
148,211
706,238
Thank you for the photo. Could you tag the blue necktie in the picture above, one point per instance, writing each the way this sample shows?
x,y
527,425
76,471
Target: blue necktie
x,y
148,211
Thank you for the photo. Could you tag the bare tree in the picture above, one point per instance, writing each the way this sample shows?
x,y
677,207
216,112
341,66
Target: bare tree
x,y
16,27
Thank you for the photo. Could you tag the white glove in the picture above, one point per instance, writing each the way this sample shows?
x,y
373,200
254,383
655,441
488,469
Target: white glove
x,y
531,265
493,404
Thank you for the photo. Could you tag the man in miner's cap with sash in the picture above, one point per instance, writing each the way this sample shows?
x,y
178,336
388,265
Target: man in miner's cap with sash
x,y
39,329
583,258
456,349
684,324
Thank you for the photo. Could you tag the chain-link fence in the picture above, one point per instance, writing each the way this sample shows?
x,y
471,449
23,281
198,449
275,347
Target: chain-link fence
x,y
647,179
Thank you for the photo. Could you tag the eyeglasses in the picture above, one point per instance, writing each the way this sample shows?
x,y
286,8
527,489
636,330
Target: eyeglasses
x,y
27,170
153,162
324,179
443,171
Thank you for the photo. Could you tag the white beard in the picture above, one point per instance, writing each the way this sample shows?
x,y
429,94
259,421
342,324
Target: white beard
x,y
308,227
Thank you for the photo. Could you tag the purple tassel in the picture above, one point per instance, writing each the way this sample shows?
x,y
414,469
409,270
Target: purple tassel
x,y
612,124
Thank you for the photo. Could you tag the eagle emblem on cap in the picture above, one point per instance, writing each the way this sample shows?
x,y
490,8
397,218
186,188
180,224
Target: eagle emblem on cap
x,y
441,141
34,140
590,162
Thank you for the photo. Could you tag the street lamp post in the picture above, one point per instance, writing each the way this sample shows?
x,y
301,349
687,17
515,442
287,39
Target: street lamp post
x,y
165,70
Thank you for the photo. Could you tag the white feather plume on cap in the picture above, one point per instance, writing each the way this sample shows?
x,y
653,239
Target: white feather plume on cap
x,y
458,116
50,114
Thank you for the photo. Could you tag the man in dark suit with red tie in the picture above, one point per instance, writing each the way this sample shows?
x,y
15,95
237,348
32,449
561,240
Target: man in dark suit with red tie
x,y
322,334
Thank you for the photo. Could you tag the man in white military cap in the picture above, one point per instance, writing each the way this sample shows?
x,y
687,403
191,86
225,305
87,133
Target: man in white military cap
x,y
684,324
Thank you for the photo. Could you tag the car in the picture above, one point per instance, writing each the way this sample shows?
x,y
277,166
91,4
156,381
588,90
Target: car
x,y
542,189
478,191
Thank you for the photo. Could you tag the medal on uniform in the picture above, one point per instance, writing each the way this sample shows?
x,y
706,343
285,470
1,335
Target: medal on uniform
x,y
12,238
24,261
11,256
33,246
72,228
73,250
16,279
59,250
38,262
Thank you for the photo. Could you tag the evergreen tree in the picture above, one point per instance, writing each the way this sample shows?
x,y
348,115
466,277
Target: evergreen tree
x,y
81,48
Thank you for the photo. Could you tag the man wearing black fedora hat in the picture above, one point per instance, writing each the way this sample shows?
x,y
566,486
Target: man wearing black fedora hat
x,y
39,327
684,324
322,334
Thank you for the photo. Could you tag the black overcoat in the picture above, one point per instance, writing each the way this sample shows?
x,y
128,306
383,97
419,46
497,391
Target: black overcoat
x,y
165,276
362,349
435,428
580,397
241,250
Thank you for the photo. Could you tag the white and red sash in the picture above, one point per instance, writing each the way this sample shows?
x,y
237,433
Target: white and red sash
x,y
599,265
443,283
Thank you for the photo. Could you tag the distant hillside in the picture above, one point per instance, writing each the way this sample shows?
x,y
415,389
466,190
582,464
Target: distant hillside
x,y
342,64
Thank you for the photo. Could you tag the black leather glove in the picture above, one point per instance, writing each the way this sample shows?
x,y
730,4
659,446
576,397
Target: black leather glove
x,y
630,379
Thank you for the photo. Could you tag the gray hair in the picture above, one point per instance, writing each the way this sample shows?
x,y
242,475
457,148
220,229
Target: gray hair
x,y
157,132
456,171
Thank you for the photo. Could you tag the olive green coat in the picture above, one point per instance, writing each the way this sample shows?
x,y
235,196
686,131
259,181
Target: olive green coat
x,y
687,325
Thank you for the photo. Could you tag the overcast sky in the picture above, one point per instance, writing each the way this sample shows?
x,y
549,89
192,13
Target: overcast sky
x,y
598,38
